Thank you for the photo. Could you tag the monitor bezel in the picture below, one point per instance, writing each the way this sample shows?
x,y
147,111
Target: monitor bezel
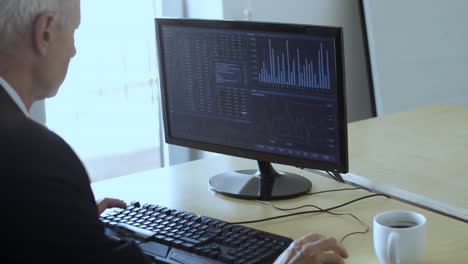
x,y
328,31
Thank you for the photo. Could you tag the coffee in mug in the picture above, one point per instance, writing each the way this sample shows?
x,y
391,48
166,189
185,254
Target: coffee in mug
x,y
399,237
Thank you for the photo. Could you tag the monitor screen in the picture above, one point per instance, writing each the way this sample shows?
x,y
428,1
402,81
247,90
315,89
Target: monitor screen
x,y
264,91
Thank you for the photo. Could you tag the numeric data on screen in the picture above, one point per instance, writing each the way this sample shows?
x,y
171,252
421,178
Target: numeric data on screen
x,y
270,92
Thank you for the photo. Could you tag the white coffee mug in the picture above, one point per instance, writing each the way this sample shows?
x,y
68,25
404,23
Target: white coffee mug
x,y
399,237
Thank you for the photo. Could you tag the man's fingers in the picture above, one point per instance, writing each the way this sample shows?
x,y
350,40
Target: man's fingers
x,y
307,239
106,203
111,202
314,248
114,238
115,203
324,245
331,258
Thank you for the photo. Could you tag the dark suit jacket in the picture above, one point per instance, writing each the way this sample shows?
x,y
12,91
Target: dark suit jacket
x,y
48,210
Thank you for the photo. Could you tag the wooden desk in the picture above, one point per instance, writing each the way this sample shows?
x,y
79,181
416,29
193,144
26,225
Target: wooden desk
x,y
420,156
185,187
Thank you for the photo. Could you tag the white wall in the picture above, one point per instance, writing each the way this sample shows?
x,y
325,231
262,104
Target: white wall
x,y
207,9
170,8
419,52
344,13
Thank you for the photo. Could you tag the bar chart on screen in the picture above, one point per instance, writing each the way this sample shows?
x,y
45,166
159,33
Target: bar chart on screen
x,y
292,63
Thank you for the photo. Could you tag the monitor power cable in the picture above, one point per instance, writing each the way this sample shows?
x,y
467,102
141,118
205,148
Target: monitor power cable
x,y
320,210
328,212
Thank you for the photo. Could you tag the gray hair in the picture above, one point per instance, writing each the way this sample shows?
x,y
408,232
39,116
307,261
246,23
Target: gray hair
x,y
16,17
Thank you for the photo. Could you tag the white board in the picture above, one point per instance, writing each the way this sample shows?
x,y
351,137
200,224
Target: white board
x,y
418,52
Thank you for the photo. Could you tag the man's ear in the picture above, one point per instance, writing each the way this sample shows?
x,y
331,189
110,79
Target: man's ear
x,y
44,30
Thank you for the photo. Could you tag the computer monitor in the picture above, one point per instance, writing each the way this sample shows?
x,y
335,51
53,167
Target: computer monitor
x,y
270,92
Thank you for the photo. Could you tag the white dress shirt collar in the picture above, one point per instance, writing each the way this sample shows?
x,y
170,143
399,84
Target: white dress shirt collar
x,y
14,95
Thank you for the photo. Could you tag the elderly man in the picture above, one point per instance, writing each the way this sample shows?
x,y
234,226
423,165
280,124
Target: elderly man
x,y
49,212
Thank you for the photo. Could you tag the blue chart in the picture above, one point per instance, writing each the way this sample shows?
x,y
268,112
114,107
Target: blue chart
x,y
307,66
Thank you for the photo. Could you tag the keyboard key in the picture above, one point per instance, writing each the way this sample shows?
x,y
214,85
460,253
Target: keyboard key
x,y
227,258
188,245
214,230
154,248
190,240
135,204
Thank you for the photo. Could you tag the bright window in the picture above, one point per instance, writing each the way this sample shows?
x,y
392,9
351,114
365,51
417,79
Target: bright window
x,y
108,107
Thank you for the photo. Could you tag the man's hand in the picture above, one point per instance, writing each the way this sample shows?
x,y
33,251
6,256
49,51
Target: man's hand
x,y
107,203
313,249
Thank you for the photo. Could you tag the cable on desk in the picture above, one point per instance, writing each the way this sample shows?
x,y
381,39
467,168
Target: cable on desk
x,y
339,190
328,212
308,212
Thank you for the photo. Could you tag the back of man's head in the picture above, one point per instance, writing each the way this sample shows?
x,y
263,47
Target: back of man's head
x,y
16,17
36,45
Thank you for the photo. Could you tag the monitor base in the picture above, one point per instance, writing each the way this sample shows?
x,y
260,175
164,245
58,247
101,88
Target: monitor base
x,y
263,184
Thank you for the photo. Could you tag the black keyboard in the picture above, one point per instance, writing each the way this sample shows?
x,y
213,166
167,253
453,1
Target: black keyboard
x,y
172,236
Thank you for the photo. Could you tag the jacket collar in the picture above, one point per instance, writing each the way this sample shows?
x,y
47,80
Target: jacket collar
x,y
14,95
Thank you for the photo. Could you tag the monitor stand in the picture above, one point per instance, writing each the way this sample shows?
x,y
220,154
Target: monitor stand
x,y
264,184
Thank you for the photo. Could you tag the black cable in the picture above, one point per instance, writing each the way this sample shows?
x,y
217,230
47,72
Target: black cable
x,y
352,233
366,226
333,176
308,212
358,199
328,212
338,190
